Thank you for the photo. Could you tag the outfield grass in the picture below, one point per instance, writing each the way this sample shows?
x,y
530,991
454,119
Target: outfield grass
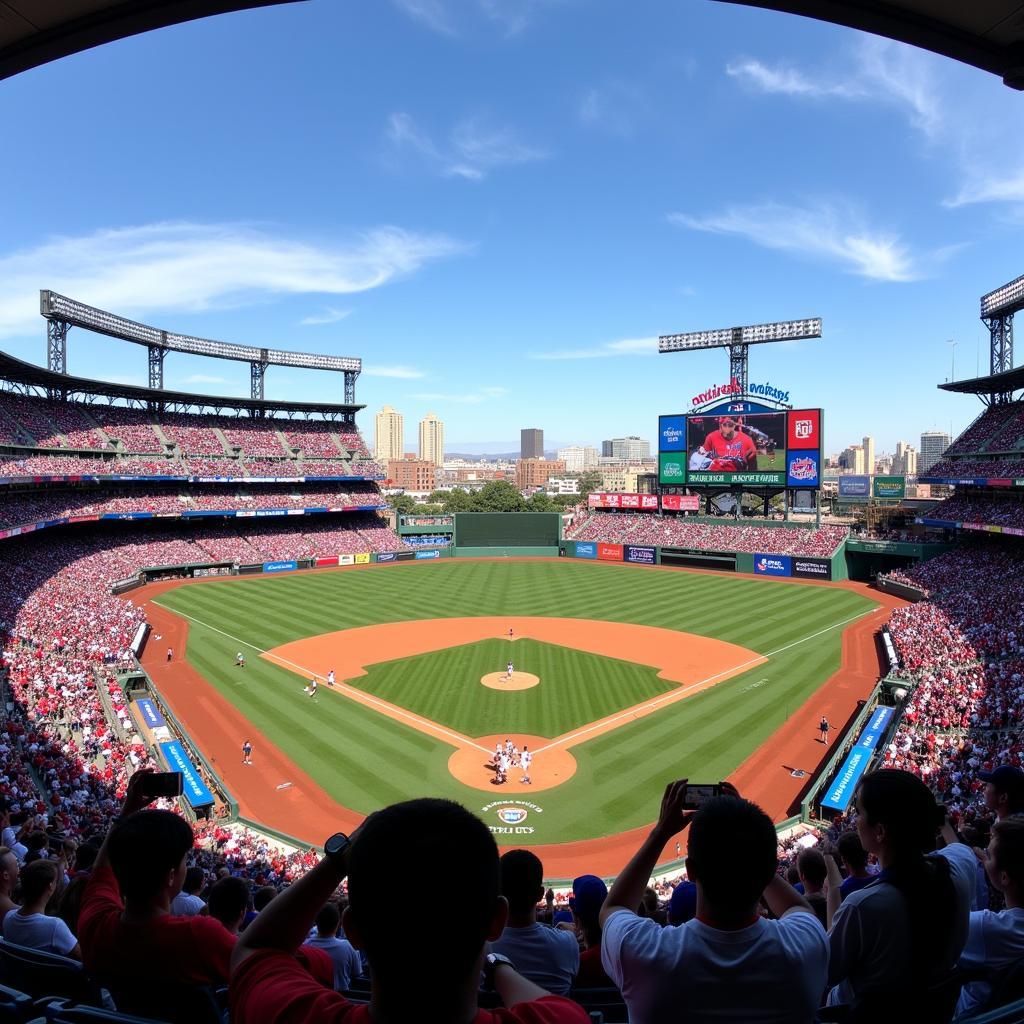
x,y
366,760
576,687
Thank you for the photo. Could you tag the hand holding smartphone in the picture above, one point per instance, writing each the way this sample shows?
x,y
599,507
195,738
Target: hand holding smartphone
x,y
698,794
157,784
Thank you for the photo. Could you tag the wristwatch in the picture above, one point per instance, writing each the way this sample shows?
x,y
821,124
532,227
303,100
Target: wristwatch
x,y
336,847
491,962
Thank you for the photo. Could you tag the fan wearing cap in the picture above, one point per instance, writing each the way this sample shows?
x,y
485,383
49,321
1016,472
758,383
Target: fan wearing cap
x,y
1004,791
588,895
726,449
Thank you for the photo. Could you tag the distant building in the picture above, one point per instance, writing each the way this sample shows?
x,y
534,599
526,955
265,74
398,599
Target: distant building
x,y
904,462
537,472
868,443
531,443
606,449
621,479
388,435
933,446
413,474
852,460
626,449
563,485
578,458
432,439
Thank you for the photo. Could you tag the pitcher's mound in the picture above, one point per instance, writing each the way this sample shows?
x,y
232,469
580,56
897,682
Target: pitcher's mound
x,y
519,681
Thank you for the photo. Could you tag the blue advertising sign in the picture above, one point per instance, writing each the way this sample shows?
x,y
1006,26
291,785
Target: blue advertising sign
x,y
151,714
773,565
672,433
803,469
193,788
386,556
586,549
280,566
428,554
845,783
854,487
642,556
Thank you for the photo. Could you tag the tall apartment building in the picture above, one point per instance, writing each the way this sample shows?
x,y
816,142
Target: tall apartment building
x,y
868,443
537,472
904,462
852,459
629,449
606,449
933,446
413,474
432,439
531,443
388,435
577,458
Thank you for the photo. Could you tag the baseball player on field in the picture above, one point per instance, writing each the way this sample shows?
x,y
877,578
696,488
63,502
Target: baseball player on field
x,y
726,449
509,669
525,759
330,678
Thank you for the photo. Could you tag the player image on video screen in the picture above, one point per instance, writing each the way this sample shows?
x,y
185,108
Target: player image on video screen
x,y
736,443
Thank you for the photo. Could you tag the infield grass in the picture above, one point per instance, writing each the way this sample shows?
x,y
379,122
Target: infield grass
x,y
366,760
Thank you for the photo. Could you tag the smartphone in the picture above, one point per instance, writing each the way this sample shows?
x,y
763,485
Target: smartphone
x,y
162,784
698,795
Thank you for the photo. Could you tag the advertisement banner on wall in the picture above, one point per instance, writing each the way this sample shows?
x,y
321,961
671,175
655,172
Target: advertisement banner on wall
x,y
812,568
333,560
773,565
803,429
891,487
427,554
586,549
672,468
631,500
803,470
672,433
280,566
845,783
363,559
386,556
639,555
681,502
346,559
854,487
193,788
609,552
406,556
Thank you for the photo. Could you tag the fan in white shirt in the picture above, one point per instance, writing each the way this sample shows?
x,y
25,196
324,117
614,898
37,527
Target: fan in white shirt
x,y
29,926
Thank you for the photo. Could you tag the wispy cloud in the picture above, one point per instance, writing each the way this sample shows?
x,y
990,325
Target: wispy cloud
x,y
988,187
788,81
469,398
397,372
447,17
473,148
434,14
624,347
156,269
826,232
329,316
203,378
615,107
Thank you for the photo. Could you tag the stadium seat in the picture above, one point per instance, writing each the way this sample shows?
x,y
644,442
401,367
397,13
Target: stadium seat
x,y
606,1001
1013,1013
15,1007
42,975
179,1004
61,1012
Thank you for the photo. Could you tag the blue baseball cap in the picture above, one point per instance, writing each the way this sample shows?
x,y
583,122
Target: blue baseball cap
x,y
588,896
682,907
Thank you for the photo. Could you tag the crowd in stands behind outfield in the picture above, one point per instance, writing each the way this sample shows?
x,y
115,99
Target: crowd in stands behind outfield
x,y
974,509
1005,468
669,531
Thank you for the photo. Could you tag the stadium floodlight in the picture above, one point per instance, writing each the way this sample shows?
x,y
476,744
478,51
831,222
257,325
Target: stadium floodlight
x,y
1005,300
756,334
54,306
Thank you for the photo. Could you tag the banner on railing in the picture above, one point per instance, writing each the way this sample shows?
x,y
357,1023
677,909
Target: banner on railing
x,y
841,791
194,790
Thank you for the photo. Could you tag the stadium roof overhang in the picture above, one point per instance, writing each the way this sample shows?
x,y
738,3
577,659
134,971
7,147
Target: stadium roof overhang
x,y
29,376
988,34
996,383
34,32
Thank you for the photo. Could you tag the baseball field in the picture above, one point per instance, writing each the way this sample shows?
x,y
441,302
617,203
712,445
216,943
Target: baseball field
x,y
624,679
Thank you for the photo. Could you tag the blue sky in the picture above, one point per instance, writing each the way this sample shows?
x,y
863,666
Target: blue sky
x,y
499,205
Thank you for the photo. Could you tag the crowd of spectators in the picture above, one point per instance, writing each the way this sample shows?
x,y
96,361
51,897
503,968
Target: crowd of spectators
x,y
967,469
967,508
999,429
678,531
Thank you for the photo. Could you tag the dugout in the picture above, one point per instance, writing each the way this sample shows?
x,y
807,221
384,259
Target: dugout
x,y
507,534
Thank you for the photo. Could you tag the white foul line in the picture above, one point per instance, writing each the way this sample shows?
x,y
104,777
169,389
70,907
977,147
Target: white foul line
x,y
360,696
674,695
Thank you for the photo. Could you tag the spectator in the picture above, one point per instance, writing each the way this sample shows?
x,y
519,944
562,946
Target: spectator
x,y
682,907
588,896
9,872
1004,791
855,860
728,963
11,837
143,858
811,868
650,906
549,957
995,939
346,961
229,900
436,979
29,926
891,940
187,903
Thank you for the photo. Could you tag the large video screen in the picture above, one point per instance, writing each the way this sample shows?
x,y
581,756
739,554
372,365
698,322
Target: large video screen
x,y
759,449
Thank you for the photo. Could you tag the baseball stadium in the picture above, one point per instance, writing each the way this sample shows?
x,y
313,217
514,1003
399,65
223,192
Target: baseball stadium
x,y
218,590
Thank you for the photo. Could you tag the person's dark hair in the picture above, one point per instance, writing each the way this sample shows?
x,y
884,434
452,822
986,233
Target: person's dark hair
x,y
36,878
1009,835
228,899
456,851
328,919
906,807
263,895
811,864
37,841
732,853
144,847
194,878
522,880
852,851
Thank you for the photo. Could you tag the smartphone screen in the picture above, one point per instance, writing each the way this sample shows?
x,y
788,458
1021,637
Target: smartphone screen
x,y
163,784
698,795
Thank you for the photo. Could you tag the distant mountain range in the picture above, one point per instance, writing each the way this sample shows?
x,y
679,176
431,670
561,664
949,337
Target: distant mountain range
x,y
494,449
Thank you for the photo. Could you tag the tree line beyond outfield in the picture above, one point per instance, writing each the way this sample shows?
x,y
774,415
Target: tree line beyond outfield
x,y
494,496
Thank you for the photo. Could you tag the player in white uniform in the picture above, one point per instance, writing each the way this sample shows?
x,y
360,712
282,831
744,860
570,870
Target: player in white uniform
x,y
503,768
311,689
239,660
509,670
330,678
525,758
